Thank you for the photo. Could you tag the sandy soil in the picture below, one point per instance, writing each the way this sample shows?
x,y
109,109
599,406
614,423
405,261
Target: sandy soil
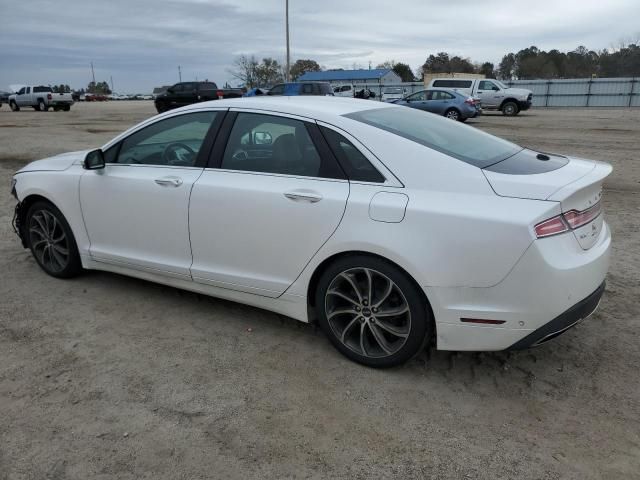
x,y
108,377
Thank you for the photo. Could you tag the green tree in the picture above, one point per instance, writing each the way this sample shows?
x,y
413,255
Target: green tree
x,y
487,69
268,73
303,66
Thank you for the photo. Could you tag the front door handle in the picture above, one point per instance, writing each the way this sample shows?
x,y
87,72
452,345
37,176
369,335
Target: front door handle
x,y
298,196
169,181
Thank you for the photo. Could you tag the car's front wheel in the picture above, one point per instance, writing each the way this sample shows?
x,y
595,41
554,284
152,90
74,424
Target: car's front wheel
x,y
510,109
14,106
372,311
51,241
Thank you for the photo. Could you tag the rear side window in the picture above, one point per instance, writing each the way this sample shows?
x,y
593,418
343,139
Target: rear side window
x,y
452,83
307,89
42,89
467,144
273,144
208,86
356,165
325,89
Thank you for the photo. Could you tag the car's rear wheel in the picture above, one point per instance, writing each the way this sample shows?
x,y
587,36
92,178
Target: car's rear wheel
x,y
510,109
372,311
161,107
66,108
51,241
453,114
14,106
42,107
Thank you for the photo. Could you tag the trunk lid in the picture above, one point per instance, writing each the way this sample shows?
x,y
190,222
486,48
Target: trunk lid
x,y
573,182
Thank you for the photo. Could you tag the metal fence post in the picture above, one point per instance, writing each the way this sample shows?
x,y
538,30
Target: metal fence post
x,y
589,92
633,82
546,96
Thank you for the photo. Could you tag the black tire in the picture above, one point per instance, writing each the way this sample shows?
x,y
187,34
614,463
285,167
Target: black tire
x,y
42,107
453,114
56,109
49,236
510,109
353,328
161,107
14,106
66,108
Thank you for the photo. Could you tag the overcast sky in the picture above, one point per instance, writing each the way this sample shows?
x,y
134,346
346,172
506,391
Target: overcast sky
x,y
141,42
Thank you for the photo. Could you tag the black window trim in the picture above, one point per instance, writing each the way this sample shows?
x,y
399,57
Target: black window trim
x,y
205,148
217,152
390,180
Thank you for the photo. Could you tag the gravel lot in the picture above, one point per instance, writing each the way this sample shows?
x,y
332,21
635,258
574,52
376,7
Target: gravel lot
x,y
109,377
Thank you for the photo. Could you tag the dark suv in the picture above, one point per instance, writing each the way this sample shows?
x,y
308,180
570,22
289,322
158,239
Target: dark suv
x,y
186,93
303,88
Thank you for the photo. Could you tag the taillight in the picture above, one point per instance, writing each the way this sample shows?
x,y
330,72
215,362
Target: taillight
x,y
470,101
567,221
577,219
220,94
49,97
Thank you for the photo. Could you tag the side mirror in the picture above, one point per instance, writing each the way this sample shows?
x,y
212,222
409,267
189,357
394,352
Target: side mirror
x,y
94,160
495,89
262,138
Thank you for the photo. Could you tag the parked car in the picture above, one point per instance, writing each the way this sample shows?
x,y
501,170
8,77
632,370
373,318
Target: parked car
x,y
448,103
352,92
393,93
40,98
391,228
187,93
493,94
256,92
4,97
303,88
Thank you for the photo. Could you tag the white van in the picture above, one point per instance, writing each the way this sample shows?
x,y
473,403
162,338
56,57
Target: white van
x,y
493,94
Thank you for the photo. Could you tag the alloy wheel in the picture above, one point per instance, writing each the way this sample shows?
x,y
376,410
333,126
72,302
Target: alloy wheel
x,y
453,115
48,240
367,312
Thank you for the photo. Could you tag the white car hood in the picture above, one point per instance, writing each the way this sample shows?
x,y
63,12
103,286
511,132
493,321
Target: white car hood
x,y
56,163
520,92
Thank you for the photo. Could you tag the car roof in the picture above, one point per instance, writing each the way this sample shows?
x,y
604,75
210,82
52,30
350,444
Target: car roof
x,y
311,106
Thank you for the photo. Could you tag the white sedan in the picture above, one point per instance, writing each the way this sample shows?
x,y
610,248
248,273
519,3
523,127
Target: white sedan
x,y
391,227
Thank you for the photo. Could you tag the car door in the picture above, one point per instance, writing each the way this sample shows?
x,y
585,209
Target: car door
x,y
22,98
489,93
136,209
439,101
272,200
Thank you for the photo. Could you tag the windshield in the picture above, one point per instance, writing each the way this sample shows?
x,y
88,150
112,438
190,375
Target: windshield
x,y
451,138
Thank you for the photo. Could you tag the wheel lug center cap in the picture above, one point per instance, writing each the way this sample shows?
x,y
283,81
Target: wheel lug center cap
x,y
366,311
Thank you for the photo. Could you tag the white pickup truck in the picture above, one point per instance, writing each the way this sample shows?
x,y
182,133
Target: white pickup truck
x,y
40,98
493,94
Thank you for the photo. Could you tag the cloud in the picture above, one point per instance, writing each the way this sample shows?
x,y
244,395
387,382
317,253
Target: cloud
x,y
141,43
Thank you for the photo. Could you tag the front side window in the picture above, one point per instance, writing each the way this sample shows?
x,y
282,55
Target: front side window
x,y
418,96
486,85
173,141
277,89
21,91
273,144
467,144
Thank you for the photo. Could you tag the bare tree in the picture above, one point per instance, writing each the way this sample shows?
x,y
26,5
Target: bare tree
x,y
245,70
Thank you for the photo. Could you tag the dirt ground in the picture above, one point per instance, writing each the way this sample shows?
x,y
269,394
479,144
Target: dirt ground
x,y
107,377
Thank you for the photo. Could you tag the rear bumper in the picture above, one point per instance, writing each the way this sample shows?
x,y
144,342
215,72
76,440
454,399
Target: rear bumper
x,y
562,322
537,298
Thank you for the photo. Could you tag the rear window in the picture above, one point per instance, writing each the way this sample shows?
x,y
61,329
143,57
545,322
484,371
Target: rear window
x,y
465,143
452,83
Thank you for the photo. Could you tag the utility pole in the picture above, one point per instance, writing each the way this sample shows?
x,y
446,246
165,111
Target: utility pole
x,y
93,74
179,73
288,72
112,89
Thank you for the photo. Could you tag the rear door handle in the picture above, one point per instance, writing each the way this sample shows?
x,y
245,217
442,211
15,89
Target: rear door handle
x,y
169,181
303,196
